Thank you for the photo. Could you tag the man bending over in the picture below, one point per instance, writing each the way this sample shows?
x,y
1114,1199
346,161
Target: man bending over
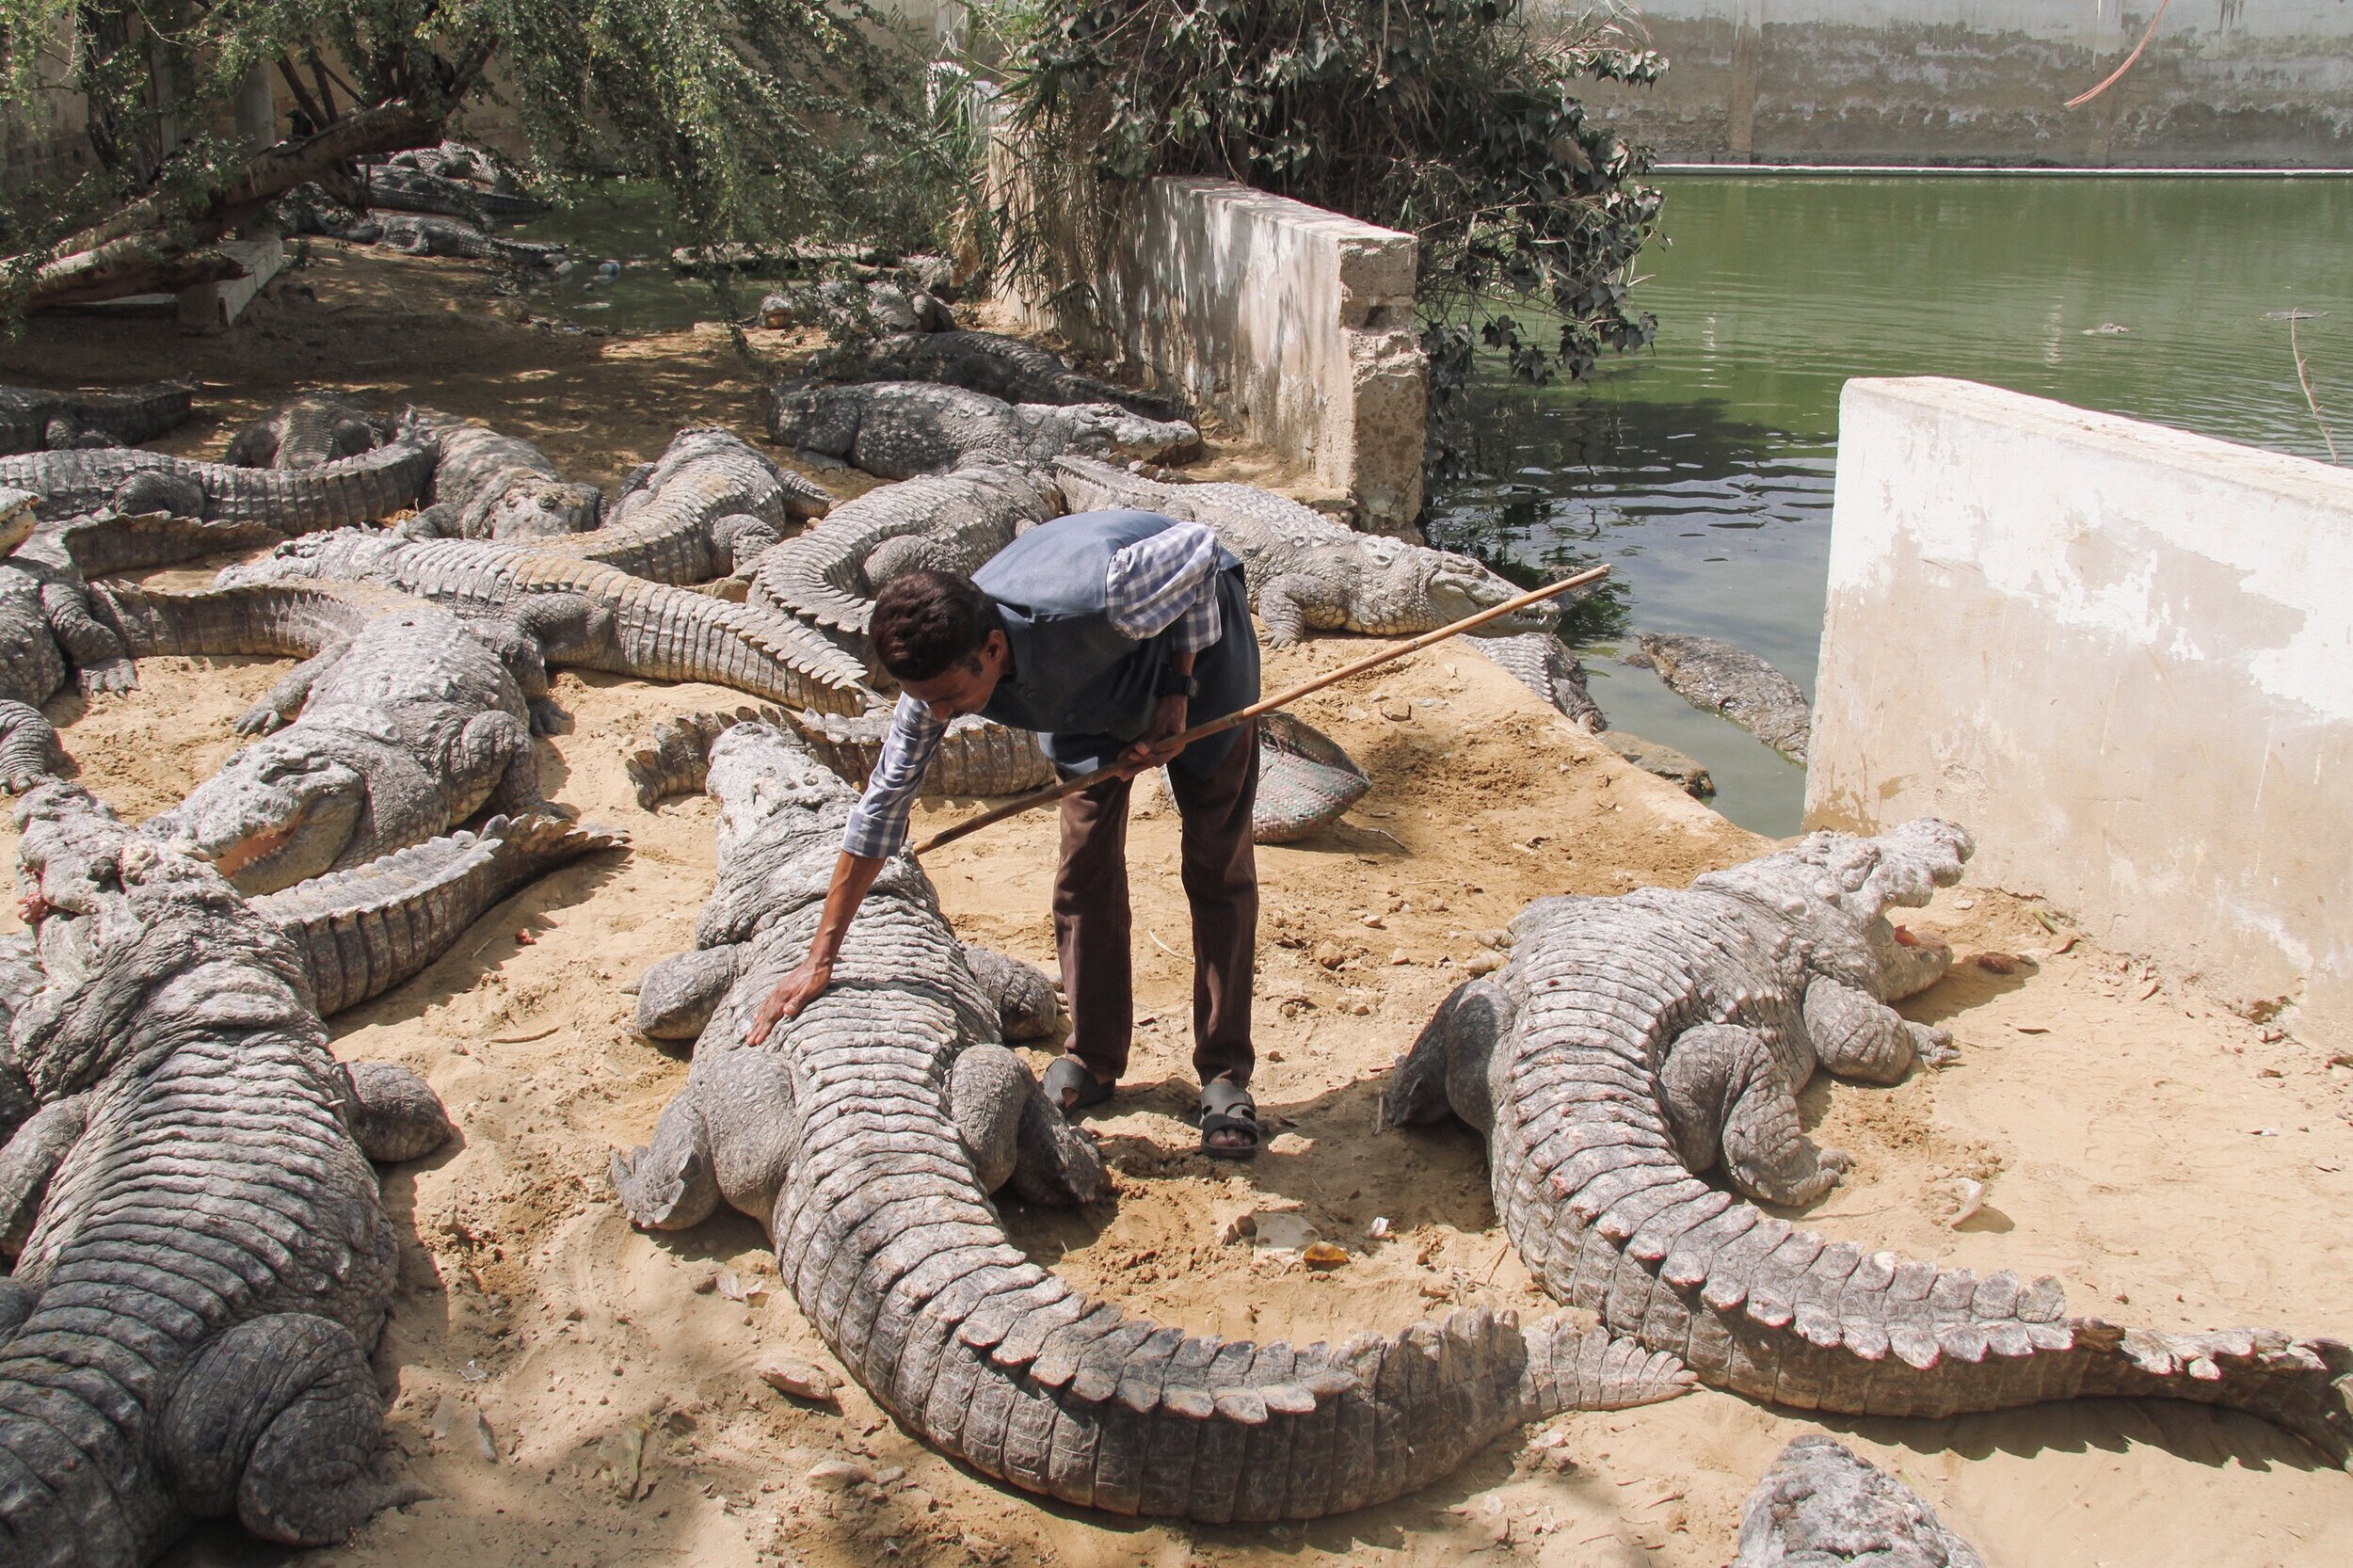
x,y
1107,633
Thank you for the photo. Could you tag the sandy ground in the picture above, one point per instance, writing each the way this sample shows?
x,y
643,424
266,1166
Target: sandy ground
x,y
2160,1156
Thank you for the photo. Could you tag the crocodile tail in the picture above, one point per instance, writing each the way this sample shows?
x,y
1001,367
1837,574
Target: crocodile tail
x,y
977,758
279,620
815,576
683,635
675,758
1609,1221
141,413
345,494
30,751
365,930
999,1362
1306,781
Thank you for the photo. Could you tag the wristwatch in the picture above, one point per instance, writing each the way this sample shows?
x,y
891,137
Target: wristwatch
x,y
1173,684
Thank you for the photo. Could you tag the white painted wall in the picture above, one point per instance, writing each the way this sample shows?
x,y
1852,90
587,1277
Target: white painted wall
x,y
2123,655
1293,323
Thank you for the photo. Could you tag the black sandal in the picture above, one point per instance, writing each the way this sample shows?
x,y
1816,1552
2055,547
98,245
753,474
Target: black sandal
x,y
1072,1087
1226,1107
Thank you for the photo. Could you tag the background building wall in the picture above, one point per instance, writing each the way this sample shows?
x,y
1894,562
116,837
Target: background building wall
x,y
2123,656
2223,83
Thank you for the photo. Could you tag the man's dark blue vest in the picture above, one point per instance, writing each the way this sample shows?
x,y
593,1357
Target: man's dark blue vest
x,y
1074,676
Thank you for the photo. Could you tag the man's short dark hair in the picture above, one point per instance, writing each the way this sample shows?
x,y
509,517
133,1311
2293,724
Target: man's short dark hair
x,y
926,621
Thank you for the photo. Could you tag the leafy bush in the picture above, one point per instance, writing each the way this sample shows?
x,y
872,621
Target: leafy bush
x,y
1456,120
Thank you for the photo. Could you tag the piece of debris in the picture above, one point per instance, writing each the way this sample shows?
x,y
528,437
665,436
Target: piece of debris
x,y
732,1285
803,1380
1483,963
1281,1232
621,1457
838,1475
456,1420
1998,963
2107,329
1972,1196
1379,1228
1324,1255
2032,1029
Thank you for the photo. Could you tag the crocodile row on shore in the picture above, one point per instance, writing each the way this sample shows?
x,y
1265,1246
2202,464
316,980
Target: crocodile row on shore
x,y
1307,571
36,421
204,1263
898,430
340,494
1632,1043
953,521
308,431
1013,369
624,624
403,719
867,1134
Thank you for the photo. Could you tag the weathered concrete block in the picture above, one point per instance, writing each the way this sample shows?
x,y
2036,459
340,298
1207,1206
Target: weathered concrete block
x,y
211,307
1294,323
2123,655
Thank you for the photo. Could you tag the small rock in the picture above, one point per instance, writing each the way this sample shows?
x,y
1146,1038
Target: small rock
x,y
1359,1008
1329,954
1483,963
838,1475
1396,711
2270,1072
707,1284
1998,963
1379,1228
1401,956
1374,921
1283,1232
1324,1255
803,1380
2032,1029
2264,1132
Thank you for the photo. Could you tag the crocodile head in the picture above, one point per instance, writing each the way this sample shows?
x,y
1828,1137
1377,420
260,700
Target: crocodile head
x,y
1835,891
346,553
278,812
1406,589
17,518
534,506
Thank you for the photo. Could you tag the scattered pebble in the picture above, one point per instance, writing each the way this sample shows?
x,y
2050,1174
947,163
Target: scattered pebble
x,y
1329,954
1483,963
803,1380
1324,1255
1374,921
1998,963
838,1475
1965,904
2263,1132
2032,1029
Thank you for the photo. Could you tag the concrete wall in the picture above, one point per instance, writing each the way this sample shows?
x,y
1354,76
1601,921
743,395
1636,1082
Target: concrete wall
x,y
2223,83
1294,323
2121,654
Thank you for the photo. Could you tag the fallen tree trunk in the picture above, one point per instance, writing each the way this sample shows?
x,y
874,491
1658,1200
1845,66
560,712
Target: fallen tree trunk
x,y
132,252
136,264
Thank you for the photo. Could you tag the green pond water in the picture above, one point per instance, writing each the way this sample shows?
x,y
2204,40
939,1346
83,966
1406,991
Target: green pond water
x,y
1700,469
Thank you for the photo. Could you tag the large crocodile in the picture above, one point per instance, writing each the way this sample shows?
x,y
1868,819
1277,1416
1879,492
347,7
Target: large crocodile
x,y
898,430
36,421
486,485
1547,666
403,719
1628,1039
46,630
1732,681
1307,571
1820,1507
976,759
1009,368
867,1133
309,430
949,521
463,160
362,931
632,626
394,187
341,494
30,751
705,509
193,1309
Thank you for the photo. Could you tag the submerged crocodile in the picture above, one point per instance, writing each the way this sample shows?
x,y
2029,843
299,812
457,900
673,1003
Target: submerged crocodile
x,y
46,630
990,362
341,494
948,521
624,624
486,485
1307,571
307,431
1732,681
1820,1507
193,1310
898,430
867,1134
403,720
1630,1040
36,421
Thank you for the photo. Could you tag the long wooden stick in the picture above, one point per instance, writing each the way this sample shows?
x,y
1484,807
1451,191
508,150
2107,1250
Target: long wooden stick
x,y
1053,792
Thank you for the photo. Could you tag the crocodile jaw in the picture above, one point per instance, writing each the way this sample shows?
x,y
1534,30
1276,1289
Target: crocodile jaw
x,y
265,826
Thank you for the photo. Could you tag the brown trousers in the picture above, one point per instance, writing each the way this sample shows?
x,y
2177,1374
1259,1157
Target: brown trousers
x,y
1094,924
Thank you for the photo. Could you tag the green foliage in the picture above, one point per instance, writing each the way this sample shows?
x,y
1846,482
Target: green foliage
x,y
1455,120
763,119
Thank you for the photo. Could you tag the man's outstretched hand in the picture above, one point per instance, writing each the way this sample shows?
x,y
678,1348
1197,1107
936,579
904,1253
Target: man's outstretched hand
x,y
793,993
1154,750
